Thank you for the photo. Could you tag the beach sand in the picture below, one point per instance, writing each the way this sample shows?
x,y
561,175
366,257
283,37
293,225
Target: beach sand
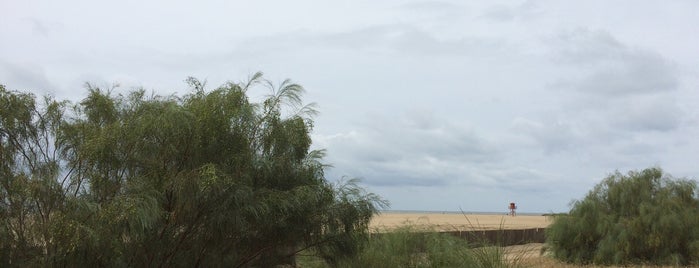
x,y
456,221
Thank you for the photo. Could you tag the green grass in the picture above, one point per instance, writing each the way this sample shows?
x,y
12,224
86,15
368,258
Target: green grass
x,y
410,247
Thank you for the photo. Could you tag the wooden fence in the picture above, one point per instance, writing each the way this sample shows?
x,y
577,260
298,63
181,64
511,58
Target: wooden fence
x,y
503,237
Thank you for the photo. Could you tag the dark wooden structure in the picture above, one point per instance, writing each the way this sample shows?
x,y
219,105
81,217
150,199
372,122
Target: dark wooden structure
x,y
504,237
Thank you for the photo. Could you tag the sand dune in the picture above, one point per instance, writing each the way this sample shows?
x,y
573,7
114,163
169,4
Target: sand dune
x,y
456,221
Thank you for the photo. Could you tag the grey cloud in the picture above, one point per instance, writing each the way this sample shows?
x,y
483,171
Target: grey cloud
x,y
42,27
609,68
395,152
500,12
649,114
405,171
397,39
434,10
419,42
602,127
25,77
552,136
582,46
637,149
628,114
422,6
614,90
640,74
439,138
39,27
517,179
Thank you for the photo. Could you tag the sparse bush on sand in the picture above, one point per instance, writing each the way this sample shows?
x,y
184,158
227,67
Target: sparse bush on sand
x,y
644,217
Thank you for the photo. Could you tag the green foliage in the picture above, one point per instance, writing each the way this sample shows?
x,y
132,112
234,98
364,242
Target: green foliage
x,y
412,247
205,179
642,217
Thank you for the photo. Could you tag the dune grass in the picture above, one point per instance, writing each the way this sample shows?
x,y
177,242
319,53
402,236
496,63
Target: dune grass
x,y
416,247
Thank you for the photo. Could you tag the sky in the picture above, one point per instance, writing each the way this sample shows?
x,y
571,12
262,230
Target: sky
x,y
434,105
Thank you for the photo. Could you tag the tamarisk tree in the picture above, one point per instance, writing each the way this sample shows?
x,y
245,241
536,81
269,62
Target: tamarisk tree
x,y
204,179
638,218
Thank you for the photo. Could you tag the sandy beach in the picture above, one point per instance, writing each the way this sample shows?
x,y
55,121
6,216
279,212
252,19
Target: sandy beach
x,y
457,221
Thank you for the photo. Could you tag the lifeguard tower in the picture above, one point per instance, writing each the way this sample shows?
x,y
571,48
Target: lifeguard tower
x,y
513,208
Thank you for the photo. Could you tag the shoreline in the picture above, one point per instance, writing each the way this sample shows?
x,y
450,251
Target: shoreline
x,y
442,221
459,212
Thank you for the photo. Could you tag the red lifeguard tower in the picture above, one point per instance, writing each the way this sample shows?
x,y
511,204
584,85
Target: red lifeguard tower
x,y
513,207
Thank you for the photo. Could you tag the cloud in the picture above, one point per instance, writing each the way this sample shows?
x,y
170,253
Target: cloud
x,y
649,113
388,39
433,10
25,77
437,6
500,12
612,88
39,27
552,136
611,69
632,73
410,151
517,179
583,46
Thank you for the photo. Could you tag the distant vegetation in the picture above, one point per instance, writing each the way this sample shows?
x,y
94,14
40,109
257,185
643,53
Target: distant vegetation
x,y
206,179
642,217
554,214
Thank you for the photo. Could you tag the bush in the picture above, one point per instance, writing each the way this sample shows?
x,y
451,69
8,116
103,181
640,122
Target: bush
x,y
641,217
413,246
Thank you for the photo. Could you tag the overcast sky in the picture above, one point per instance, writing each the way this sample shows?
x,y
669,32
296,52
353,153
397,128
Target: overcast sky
x,y
436,105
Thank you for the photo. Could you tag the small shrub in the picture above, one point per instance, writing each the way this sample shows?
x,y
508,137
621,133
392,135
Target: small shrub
x,y
641,217
416,247
408,247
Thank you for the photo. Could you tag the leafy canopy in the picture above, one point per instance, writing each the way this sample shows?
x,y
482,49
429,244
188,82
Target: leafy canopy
x,y
204,179
640,217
